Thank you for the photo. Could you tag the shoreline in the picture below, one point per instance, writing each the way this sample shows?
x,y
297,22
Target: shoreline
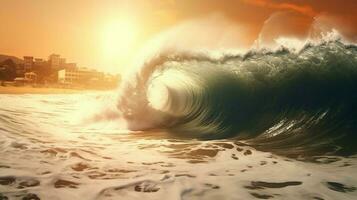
x,y
41,90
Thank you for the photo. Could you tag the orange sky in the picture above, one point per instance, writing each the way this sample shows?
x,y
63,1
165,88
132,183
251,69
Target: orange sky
x,y
84,31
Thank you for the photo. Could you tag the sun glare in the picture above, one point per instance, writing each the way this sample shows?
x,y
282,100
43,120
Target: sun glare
x,y
119,38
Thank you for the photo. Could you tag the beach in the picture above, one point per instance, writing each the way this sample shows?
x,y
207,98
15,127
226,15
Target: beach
x,y
38,90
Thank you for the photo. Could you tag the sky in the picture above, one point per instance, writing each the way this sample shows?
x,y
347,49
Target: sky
x,y
108,34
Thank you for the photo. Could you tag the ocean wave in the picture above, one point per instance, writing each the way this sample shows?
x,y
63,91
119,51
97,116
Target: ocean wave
x,y
280,99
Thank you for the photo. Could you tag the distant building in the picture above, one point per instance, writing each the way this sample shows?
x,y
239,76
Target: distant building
x,y
20,70
70,66
19,81
62,63
28,63
79,76
54,61
39,62
86,78
31,77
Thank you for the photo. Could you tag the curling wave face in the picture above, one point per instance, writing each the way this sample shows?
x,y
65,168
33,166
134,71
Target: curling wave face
x,y
283,99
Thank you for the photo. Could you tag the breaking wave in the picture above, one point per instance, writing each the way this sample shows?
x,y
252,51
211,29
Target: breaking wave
x,y
285,100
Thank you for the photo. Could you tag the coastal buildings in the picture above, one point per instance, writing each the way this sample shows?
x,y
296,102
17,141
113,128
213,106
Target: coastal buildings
x,y
70,66
76,76
86,78
62,62
54,72
28,63
30,77
54,61
39,62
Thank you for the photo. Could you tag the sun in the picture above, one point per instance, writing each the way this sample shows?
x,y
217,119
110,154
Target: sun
x,y
118,38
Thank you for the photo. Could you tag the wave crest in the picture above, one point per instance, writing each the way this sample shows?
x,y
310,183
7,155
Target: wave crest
x,y
276,98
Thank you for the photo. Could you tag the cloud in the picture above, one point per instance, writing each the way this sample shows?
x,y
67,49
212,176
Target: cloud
x,y
303,9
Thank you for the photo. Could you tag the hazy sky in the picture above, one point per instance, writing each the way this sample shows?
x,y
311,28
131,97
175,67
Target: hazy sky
x,y
107,34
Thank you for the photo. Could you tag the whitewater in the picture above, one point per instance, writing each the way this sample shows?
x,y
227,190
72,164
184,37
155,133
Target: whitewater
x,y
262,124
44,155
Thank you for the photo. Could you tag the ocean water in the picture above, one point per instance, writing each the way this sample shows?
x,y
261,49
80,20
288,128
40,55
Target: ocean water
x,y
47,153
264,124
